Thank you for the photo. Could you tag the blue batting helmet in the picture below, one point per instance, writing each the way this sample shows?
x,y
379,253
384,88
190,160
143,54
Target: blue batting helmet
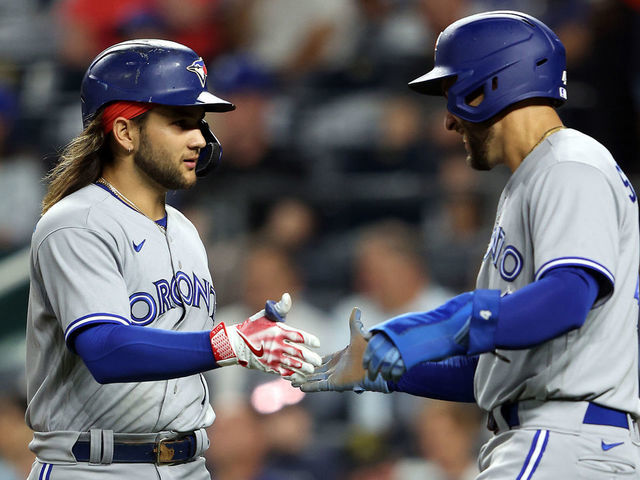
x,y
506,55
153,71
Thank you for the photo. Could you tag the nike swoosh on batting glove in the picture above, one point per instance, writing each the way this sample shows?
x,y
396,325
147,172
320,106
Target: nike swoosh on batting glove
x,y
263,342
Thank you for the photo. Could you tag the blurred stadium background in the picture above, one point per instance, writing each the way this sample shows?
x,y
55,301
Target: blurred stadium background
x,y
338,184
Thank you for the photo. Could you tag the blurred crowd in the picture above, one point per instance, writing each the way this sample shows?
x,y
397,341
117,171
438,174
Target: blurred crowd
x,y
338,184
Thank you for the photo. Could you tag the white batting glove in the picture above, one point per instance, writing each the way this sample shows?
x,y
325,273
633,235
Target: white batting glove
x,y
263,342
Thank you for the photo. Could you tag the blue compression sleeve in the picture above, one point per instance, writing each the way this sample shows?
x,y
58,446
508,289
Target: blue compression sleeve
x,y
450,379
543,310
120,353
547,308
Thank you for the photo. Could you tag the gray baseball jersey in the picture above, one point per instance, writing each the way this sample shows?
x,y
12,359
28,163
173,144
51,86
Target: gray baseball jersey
x,y
567,204
96,260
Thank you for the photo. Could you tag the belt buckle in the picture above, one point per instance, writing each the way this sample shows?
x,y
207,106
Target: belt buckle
x,y
164,454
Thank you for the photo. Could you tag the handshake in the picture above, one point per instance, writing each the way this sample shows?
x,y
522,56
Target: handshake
x,y
263,342
462,326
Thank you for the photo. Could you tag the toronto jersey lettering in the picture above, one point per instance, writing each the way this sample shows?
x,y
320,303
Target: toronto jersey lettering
x,y
181,290
568,204
133,272
507,259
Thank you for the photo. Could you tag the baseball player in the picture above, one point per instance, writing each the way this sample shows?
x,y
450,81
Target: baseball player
x,y
122,305
547,343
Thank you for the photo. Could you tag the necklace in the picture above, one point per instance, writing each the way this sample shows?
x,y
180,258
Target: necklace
x,y
549,132
126,201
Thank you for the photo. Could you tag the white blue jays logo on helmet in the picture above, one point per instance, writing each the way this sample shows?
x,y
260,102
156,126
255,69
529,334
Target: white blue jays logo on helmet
x,y
200,69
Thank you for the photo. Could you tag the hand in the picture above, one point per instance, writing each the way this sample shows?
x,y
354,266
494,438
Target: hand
x,y
342,371
263,342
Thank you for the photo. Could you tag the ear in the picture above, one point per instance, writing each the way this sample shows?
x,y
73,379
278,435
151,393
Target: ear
x,y
125,134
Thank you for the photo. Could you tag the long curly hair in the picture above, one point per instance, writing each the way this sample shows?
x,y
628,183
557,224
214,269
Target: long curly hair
x,y
81,161
80,164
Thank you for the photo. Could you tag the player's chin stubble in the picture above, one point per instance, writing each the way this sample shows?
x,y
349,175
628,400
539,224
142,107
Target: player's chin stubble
x,y
158,166
478,157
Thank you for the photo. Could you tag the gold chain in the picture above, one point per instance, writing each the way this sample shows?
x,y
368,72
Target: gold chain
x,y
125,200
551,131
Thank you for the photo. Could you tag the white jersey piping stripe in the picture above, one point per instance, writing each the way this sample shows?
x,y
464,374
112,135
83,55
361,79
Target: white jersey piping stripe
x,y
94,318
574,261
538,447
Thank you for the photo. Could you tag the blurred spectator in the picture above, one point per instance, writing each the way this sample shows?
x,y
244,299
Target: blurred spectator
x,y
87,27
365,131
368,456
600,86
26,33
20,181
318,38
268,435
456,231
239,445
388,37
287,223
295,226
390,277
291,224
361,117
245,133
447,436
268,272
200,24
294,451
438,15
15,457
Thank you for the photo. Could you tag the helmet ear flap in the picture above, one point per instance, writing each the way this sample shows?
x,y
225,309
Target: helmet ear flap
x,y
211,154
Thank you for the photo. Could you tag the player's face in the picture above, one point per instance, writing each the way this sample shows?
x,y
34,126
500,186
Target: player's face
x,y
477,137
170,143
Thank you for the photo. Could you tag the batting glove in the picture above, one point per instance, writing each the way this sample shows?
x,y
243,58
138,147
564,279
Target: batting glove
x,y
383,359
342,371
263,342
465,325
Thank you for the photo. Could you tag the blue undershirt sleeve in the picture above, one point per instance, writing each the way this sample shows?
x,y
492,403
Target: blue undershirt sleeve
x,y
541,311
545,309
116,353
450,379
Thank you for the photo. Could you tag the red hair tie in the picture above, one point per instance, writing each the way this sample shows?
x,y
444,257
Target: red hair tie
x,y
124,109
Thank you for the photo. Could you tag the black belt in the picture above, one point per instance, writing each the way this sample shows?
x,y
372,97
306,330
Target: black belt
x,y
179,450
595,415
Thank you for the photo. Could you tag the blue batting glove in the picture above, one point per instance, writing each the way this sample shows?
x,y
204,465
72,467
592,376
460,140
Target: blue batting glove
x,y
382,357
